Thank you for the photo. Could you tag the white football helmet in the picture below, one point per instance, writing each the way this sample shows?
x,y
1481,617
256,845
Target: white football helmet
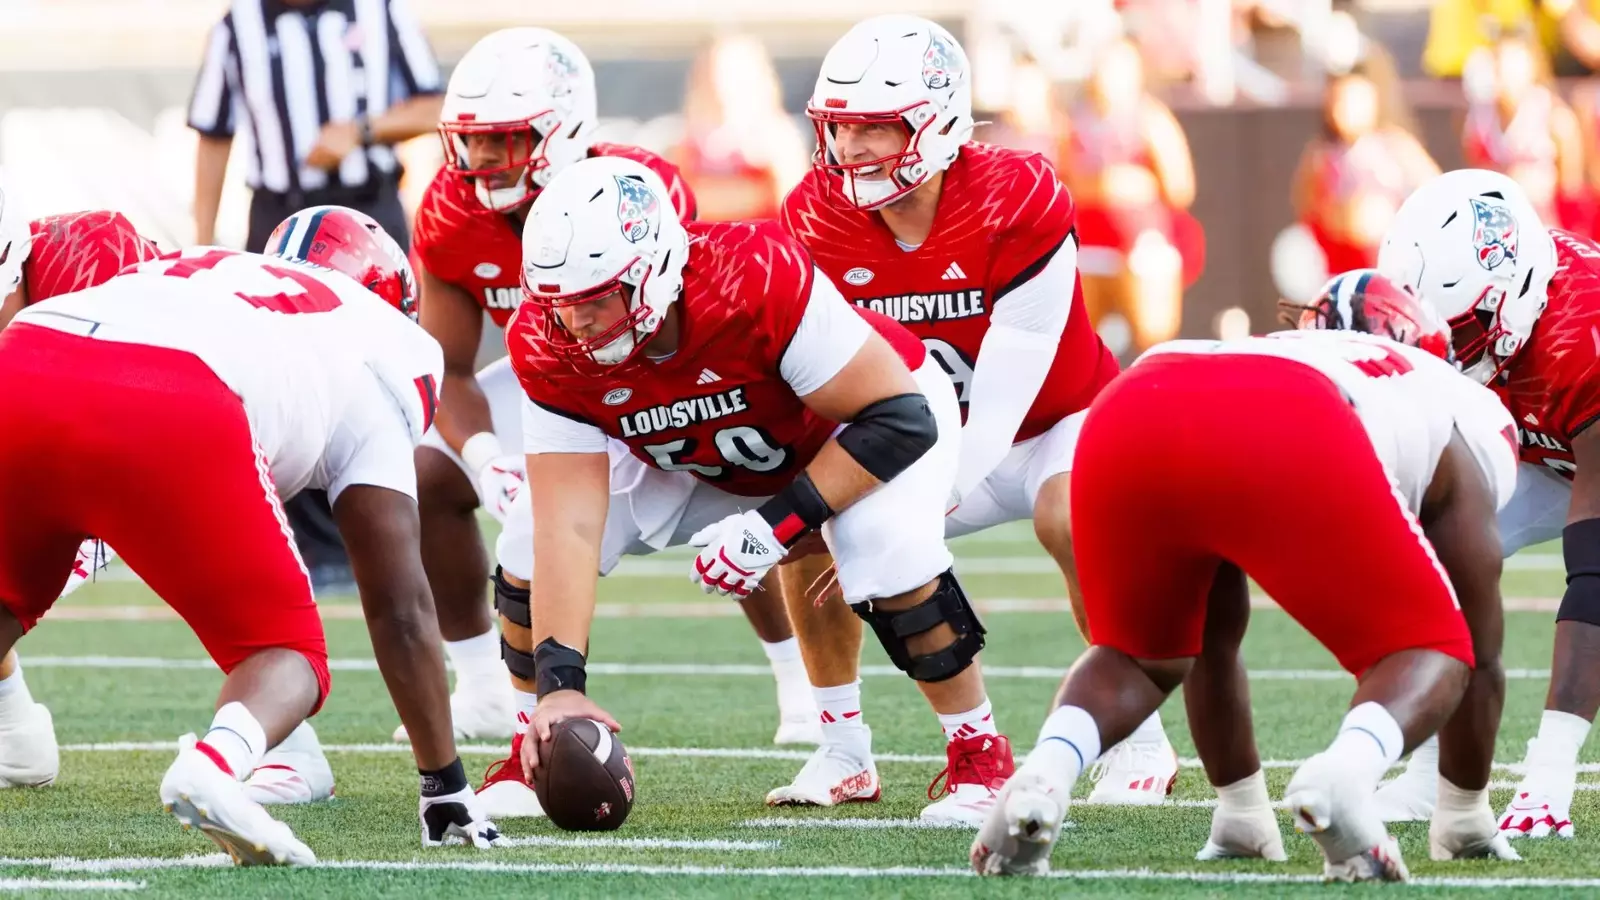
x,y
601,225
893,69
15,239
1470,244
528,82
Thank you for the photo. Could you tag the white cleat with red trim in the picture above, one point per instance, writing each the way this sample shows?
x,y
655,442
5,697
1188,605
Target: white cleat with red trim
x,y
840,772
1134,773
295,771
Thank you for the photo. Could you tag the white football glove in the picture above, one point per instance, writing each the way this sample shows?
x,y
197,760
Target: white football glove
x,y
93,555
499,482
456,818
736,553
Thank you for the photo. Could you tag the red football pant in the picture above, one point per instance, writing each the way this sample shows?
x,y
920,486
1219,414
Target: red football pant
x,y
148,450
1187,461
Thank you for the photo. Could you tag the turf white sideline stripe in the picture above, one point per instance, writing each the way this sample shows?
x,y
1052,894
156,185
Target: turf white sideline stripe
x,y
693,670
136,864
46,884
867,824
543,840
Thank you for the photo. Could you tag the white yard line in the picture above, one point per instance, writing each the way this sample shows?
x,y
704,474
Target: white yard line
x,y
861,824
49,884
140,864
639,843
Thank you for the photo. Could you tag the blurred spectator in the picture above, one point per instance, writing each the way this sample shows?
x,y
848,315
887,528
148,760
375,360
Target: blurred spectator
x,y
1580,34
1456,28
1355,173
740,151
1127,163
1030,118
1517,124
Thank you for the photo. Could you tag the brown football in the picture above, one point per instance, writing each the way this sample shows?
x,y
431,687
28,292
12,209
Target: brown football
x,y
585,779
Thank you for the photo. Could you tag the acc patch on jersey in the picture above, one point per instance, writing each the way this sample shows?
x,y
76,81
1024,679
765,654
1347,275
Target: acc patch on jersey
x,y
638,208
1495,234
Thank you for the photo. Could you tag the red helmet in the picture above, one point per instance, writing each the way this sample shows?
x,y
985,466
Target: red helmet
x,y
1363,300
350,242
81,250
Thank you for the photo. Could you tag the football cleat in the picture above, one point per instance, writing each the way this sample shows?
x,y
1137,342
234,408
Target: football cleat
x,y
1243,834
479,711
975,769
295,771
200,795
1337,810
1534,812
1412,796
836,773
504,794
1021,827
1134,773
29,756
1468,833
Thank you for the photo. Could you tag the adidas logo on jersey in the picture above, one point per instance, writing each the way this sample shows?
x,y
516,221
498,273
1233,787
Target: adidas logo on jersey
x,y
952,273
752,546
927,307
706,377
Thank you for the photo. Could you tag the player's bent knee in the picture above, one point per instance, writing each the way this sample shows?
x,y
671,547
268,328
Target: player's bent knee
x,y
948,605
513,603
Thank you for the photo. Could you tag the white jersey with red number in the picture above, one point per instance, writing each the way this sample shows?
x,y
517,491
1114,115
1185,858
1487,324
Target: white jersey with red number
x,y
1410,401
338,385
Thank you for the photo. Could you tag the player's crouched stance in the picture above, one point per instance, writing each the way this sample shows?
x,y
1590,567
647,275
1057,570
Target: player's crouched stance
x,y
1208,461
722,359
197,390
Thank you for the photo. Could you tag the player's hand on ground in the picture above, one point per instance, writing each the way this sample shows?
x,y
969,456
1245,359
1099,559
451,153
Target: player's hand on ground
x,y
451,813
499,483
554,708
735,554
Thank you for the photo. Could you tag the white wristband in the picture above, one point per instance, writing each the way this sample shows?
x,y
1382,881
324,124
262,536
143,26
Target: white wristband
x,y
480,450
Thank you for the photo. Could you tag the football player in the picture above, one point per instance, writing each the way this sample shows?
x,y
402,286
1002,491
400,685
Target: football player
x,y
687,385
40,259
255,377
1179,493
1522,301
520,107
971,247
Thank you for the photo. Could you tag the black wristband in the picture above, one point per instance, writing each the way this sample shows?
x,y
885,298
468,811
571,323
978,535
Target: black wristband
x,y
451,779
795,511
559,668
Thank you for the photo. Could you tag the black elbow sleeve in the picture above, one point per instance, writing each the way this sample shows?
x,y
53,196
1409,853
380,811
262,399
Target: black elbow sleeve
x,y
888,436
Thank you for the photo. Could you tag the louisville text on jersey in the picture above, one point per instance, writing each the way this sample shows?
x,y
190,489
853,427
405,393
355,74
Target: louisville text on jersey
x,y
927,307
681,413
502,297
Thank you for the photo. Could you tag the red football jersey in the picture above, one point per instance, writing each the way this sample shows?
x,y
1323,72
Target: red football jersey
x,y
480,250
1002,214
77,251
718,407
1552,385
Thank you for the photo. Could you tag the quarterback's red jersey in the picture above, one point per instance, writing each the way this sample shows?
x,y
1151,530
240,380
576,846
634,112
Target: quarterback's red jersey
x,y
1552,385
718,407
1002,214
480,250
81,250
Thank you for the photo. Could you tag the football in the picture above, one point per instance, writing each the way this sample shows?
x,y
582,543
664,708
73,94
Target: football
x,y
585,779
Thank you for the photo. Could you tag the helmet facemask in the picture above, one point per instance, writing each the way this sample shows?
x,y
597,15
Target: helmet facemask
x,y
904,171
526,151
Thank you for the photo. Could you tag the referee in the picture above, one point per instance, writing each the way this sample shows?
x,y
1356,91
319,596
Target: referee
x,y
320,91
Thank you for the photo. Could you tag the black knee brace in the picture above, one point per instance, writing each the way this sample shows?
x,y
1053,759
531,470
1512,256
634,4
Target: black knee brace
x,y
948,606
512,602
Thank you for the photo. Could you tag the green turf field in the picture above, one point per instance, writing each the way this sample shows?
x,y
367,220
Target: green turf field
x,y
688,681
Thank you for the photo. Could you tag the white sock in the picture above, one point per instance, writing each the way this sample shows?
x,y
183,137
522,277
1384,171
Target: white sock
x,y
1370,739
1149,731
973,722
1245,795
476,658
782,651
1460,800
1561,736
237,738
15,701
526,704
1425,759
1068,742
840,708
794,686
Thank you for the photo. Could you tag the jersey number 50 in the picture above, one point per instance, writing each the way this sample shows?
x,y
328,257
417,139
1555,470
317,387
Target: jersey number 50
x,y
744,446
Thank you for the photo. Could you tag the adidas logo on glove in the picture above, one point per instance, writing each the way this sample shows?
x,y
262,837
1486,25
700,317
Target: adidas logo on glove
x,y
752,544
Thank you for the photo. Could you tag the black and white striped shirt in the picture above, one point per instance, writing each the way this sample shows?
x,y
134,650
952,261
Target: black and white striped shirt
x,y
283,70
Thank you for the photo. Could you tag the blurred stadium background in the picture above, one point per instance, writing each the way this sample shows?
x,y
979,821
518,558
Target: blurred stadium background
x,y
1301,123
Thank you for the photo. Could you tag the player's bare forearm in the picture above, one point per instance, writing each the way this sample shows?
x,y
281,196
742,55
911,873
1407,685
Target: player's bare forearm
x,y
210,167
839,478
408,119
10,306
569,493
454,319
383,534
